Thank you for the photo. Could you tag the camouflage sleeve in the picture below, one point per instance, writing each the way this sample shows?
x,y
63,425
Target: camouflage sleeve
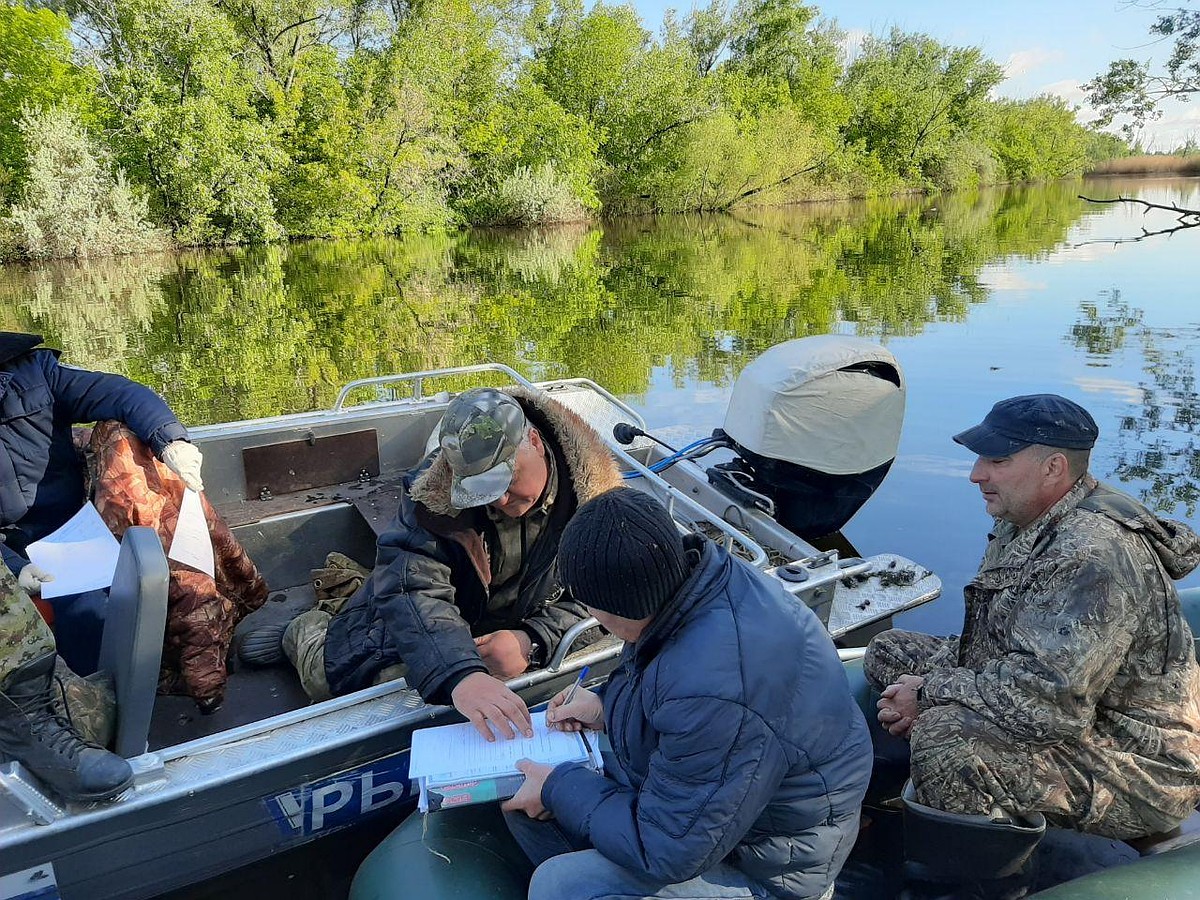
x,y
1073,626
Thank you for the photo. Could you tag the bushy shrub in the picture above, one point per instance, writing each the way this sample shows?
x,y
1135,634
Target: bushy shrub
x,y
73,204
536,196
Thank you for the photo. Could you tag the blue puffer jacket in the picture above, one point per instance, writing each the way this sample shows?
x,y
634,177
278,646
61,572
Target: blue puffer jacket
x,y
737,738
41,480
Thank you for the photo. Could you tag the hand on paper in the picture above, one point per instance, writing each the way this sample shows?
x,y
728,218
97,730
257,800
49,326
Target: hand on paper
x,y
505,653
32,578
489,704
585,710
898,705
529,798
184,460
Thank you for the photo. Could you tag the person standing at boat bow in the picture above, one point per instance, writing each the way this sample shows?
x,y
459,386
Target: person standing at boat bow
x,y
465,591
1073,691
739,757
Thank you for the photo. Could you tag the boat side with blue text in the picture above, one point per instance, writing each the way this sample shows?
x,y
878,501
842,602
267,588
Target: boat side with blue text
x,y
269,771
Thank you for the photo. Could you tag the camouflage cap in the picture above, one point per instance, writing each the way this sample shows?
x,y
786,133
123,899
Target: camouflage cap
x,y
479,436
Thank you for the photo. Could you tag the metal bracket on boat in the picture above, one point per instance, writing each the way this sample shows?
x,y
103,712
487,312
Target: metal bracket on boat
x,y
564,646
22,791
416,381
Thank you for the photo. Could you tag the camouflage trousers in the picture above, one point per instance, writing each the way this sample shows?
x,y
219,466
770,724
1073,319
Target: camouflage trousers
x,y
304,639
88,703
964,762
24,634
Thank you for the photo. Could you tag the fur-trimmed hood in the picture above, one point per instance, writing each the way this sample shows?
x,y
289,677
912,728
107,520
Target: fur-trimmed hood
x,y
591,468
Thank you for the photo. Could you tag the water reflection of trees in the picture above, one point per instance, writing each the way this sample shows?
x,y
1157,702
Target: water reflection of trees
x,y
251,332
1157,446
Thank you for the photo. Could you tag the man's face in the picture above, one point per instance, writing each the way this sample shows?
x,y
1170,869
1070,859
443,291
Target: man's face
x,y
530,474
628,630
1016,488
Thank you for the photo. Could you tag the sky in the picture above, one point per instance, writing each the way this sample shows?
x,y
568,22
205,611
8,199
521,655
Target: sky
x,y
1047,46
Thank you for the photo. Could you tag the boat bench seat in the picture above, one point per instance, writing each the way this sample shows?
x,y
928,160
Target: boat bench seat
x,y
1153,844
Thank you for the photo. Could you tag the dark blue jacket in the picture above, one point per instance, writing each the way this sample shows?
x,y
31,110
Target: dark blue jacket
x,y
41,479
737,740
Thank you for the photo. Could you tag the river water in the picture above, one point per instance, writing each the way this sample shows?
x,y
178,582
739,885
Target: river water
x,y
979,296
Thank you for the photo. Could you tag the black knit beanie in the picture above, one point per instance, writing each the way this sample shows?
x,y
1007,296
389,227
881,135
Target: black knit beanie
x,y
621,553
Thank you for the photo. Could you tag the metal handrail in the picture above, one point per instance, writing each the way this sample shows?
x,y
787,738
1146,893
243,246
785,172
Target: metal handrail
x,y
668,494
417,379
564,645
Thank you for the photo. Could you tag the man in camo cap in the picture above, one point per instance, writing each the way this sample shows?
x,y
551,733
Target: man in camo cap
x,y
465,591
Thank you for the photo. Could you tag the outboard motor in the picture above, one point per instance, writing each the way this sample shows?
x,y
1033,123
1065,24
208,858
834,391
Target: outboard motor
x,y
815,423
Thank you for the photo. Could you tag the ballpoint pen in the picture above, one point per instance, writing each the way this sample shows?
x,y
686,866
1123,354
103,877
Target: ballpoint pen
x,y
578,681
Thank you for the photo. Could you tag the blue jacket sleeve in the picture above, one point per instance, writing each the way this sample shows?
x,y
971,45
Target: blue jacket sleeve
x,y
83,396
716,767
14,560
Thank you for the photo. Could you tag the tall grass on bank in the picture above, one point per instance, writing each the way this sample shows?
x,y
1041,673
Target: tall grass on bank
x,y
1158,164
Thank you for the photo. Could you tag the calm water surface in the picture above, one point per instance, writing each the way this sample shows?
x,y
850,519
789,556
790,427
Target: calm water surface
x,y
980,297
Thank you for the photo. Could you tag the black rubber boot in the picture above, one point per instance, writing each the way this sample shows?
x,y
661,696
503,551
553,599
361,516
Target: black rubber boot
x,y
950,855
258,639
35,735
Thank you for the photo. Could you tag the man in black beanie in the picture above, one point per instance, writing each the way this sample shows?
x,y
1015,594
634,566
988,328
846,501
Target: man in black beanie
x,y
739,758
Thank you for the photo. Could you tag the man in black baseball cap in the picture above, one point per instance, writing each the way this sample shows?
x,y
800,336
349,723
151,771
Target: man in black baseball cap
x,y
1018,422
1072,631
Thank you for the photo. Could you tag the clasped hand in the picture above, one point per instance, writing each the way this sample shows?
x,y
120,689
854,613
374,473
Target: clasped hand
x,y
505,653
897,705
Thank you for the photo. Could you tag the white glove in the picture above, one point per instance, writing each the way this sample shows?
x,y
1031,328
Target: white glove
x,y
32,578
184,460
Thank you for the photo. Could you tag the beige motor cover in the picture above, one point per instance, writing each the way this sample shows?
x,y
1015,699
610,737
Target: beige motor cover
x,y
803,402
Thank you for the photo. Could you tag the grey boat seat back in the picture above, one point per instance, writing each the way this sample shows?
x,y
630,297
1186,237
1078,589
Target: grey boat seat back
x,y
131,648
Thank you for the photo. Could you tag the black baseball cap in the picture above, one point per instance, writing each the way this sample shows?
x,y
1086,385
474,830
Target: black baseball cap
x,y
1018,422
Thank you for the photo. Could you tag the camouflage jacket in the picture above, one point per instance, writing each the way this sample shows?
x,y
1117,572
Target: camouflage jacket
x,y
1073,633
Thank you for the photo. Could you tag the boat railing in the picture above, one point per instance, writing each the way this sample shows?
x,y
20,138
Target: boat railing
x,y
416,381
683,509
675,500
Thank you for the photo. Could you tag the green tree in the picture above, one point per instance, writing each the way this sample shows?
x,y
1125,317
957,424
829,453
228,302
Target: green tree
x,y
1132,87
915,100
1038,138
72,203
604,68
37,71
184,116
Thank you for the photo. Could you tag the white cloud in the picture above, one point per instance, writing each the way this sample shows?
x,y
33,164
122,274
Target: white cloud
x,y
1113,387
851,43
1024,61
1003,280
927,464
1071,91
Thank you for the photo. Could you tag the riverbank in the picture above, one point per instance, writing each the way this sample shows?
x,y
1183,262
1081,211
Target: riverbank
x,y
1157,164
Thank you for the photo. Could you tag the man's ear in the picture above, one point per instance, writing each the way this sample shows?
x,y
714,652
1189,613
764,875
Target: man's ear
x,y
535,438
1056,465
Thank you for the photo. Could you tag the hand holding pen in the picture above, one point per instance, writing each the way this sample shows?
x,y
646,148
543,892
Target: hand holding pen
x,y
573,710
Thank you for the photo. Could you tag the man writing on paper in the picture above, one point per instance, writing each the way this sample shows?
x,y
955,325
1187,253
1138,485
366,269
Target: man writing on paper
x,y
465,590
143,459
740,756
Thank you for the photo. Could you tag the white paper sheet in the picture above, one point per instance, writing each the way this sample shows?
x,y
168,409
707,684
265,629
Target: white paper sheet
x,y
459,751
81,555
192,544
